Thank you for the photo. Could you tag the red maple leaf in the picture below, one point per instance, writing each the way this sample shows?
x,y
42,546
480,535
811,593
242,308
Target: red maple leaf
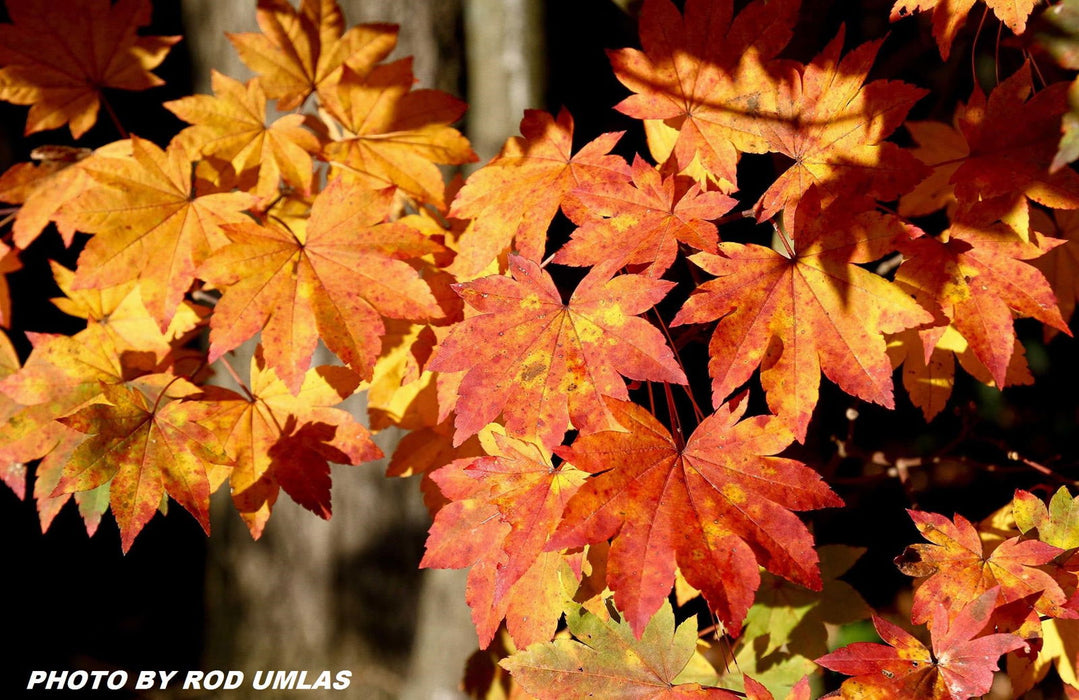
x,y
960,665
514,197
707,74
720,503
503,509
643,221
547,364
958,568
797,315
834,127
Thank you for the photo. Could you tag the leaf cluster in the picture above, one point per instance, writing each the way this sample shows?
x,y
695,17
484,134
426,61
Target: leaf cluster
x,y
568,455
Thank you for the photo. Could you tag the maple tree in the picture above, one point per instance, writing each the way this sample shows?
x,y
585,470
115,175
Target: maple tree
x,y
607,349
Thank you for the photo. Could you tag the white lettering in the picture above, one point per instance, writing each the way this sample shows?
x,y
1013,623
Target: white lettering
x,y
77,680
35,678
192,681
344,678
116,680
323,682
284,681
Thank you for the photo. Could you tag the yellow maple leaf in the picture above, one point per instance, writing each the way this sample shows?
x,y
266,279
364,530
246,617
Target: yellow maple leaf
x,y
231,125
393,135
149,224
57,60
300,52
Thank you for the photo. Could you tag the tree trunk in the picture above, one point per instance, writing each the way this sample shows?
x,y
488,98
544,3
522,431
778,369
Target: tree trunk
x,y
346,594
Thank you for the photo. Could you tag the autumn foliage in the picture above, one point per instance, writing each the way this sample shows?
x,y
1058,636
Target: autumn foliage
x,y
609,353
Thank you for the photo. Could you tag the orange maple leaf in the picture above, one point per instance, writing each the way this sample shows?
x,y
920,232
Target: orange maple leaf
x,y
514,197
62,375
642,221
394,135
949,15
1061,264
502,510
960,665
834,127
58,59
44,186
958,568
720,503
9,262
548,364
708,75
276,440
928,357
301,52
1001,148
231,125
143,448
149,224
333,281
796,316
976,275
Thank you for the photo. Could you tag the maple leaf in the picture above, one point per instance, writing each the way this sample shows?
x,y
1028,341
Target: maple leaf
x,y
143,449
757,691
502,511
960,666
787,617
706,73
231,125
548,364
834,127
12,472
1059,265
332,282
62,375
643,221
1002,146
796,316
942,148
949,16
1059,650
9,262
514,197
1057,525
722,503
394,135
928,358
959,569
120,312
976,276
276,440
607,660
303,51
58,62
42,187
149,224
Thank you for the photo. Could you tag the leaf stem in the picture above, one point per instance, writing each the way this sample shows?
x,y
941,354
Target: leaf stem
x,y
236,377
115,119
